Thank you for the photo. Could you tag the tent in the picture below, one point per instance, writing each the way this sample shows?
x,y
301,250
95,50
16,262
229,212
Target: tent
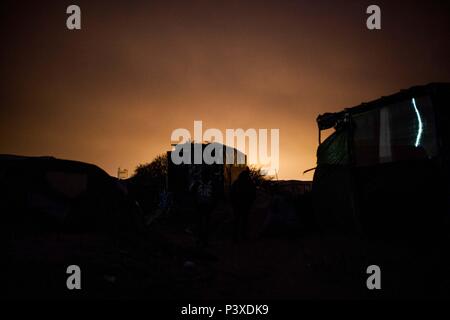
x,y
48,194
57,213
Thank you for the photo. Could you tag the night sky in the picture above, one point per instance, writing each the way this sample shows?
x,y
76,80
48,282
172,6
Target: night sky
x,y
112,92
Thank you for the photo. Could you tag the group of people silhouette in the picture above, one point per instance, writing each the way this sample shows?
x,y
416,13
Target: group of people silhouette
x,y
242,196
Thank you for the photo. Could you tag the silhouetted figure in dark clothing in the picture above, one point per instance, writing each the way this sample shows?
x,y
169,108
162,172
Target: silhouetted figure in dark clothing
x,y
243,193
205,199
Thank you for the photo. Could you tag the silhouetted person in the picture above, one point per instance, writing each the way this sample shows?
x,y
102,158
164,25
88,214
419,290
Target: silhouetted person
x,y
243,192
205,199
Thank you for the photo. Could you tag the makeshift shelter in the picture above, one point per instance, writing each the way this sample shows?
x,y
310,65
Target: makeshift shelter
x,y
385,167
57,213
181,176
48,194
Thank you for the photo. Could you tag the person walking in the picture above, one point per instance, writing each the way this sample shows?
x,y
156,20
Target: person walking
x,y
205,200
243,193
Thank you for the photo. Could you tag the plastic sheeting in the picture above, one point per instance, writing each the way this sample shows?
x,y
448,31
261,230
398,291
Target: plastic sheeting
x,y
335,149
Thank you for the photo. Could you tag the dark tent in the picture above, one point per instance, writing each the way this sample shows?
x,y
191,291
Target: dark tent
x,y
57,213
44,193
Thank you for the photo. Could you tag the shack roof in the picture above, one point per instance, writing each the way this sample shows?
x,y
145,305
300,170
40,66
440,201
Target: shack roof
x,y
329,120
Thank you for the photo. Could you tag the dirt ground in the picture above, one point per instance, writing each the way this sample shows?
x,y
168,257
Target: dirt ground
x,y
285,264
305,265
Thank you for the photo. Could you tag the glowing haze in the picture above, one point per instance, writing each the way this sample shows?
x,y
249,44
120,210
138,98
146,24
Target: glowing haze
x,y
112,92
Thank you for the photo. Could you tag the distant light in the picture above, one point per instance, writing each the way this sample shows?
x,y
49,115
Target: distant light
x,y
419,119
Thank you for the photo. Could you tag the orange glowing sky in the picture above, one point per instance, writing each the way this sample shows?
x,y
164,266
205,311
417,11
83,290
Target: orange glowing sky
x,y
111,93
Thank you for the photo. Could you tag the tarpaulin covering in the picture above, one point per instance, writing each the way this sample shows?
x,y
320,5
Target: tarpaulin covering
x,y
335,149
